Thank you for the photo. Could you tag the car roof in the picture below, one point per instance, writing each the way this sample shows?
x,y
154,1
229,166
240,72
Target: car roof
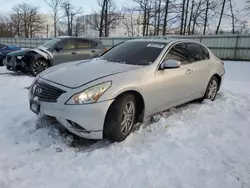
x,y
166,40
71,37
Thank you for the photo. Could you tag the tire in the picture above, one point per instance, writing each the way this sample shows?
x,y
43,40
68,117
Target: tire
x,y
114,128
38,66
212,89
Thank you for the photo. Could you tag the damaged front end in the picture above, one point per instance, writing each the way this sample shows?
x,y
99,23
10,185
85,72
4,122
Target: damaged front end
x,y
18,61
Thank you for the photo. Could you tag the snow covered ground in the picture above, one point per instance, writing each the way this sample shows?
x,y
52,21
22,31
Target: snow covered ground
x,y
198,145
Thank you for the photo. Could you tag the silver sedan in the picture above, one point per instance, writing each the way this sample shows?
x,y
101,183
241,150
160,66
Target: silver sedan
x,y
108,95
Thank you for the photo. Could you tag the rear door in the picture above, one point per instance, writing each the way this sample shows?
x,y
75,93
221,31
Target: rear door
x,y
84,49
199,67
66,52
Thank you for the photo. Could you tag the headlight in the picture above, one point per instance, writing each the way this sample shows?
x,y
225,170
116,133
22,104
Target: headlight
x,y
90,95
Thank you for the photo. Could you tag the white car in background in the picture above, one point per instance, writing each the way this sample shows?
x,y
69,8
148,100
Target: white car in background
x,y
108,95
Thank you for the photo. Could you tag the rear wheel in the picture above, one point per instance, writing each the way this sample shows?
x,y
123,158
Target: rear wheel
x,y
38,66
212,89
120,118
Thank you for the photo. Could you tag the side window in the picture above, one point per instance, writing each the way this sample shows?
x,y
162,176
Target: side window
x,y
197,52
178,52
82,44
205,52
67,44
94,44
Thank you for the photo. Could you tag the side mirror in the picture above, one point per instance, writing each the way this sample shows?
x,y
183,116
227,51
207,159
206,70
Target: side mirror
x,y
170,64
58,48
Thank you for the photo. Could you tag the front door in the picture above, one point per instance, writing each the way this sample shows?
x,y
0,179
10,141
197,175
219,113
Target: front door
x,y
172,86
65,52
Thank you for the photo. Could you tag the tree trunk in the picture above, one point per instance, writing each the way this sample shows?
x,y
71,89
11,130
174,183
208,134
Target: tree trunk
x,y
221,14
55,24
155,18
148,19
193,28
182,16
71,24
144,21
68,25
165,18
185,23
106,19
206,16
102,18
190,18
233,20
159,19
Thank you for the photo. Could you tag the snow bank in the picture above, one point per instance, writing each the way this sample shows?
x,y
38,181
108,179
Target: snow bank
x,y
197,145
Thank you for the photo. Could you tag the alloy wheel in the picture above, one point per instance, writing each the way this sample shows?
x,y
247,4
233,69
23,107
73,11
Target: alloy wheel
x,y
128,117
212,90
39,67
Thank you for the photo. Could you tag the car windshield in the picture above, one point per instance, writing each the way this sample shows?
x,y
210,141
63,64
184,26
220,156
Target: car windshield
x,y
135,52
51,43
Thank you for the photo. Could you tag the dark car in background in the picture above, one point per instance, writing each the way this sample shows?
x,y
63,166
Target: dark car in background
x,y
53,52
5,49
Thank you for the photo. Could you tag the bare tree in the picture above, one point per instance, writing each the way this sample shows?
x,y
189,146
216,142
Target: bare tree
x,y
206,17
132,22
107,19
6,27
191,17
78,27
221,15
26,20
182,16
186,17
55,5
144,7
70,13
232,15
166,12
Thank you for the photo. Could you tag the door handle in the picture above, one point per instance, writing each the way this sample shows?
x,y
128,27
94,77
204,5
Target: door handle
x,y
188,71
73,53
93,51
209,65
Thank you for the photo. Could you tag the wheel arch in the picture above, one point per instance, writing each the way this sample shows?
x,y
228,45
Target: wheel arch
x,y
219,79
140,102
35,56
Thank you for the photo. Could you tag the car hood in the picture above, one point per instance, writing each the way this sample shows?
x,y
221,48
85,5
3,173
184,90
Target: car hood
x,y
76,74
14,47
19,52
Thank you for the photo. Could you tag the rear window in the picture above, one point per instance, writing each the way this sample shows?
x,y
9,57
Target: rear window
x,y
135,52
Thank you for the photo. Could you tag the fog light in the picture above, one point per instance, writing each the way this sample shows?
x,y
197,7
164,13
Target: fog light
x,y
78,127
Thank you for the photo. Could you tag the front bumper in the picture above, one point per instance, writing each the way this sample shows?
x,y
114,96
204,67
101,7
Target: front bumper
x,y
89,117
14,64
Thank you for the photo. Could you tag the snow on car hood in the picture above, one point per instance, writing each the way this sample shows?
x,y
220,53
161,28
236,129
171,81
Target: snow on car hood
x,y
76,74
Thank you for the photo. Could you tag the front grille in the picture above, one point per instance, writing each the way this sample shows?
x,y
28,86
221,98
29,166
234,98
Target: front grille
x,y
46,92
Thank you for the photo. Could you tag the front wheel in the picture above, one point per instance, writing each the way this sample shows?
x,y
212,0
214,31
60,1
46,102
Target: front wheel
x,y
38,66
120,118
212,89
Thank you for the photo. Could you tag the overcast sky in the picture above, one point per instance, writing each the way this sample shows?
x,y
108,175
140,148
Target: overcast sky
x,y
88,5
